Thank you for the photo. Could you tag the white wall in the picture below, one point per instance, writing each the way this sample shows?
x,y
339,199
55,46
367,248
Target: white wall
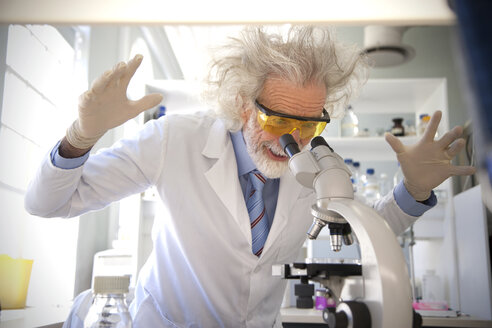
x,y
41,89
37,106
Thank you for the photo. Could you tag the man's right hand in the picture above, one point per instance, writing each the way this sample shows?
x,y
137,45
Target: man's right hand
x,y
105,105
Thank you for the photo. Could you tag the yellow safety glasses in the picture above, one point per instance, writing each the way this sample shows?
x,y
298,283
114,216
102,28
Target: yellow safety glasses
x,y
280,124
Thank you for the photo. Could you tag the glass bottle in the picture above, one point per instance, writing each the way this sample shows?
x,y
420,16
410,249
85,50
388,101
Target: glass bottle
x,y
109,308
350,123
398,130
371,187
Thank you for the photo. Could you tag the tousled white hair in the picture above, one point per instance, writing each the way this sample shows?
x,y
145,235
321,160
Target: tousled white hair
x,y
305,54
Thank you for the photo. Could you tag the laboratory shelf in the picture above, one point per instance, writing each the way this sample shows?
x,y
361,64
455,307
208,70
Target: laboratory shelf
x,y
366,148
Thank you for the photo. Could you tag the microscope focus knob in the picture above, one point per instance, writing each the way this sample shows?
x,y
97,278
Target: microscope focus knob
x,y
335,319
348,314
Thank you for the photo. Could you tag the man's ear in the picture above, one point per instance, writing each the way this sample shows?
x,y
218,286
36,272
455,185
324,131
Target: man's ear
x,y
245,111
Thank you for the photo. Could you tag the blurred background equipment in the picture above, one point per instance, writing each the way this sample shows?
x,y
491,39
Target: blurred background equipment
x,y
474,26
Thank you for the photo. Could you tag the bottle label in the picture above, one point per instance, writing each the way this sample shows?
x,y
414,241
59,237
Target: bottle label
x,y
397,131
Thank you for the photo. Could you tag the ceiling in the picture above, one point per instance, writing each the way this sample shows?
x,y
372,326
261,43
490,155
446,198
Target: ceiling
x,y
342,12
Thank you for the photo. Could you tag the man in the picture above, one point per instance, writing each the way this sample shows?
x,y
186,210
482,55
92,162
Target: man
x,y
216,244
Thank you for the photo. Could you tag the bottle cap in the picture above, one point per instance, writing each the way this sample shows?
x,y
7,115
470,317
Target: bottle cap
x,y
111,284
347,161
356,164
162,111
370,171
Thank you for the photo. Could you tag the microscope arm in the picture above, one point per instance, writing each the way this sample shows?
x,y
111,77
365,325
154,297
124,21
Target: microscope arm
x,y
387,291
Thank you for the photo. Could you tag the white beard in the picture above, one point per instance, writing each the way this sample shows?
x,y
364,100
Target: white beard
x,y
270,168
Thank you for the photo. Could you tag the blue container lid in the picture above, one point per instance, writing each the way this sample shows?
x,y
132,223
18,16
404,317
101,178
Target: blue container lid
x,y
162,111
370,171
348,161
356,164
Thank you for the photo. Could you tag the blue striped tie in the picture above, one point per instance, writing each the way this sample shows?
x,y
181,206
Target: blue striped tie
x,y
257,214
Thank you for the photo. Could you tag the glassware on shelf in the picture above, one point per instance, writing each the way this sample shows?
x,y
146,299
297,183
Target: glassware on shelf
x,y
350,123
385,184
398,130
356,177
410,129
423,122
371,187
364,133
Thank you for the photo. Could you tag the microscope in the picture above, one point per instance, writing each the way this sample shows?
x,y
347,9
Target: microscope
x,y
374,292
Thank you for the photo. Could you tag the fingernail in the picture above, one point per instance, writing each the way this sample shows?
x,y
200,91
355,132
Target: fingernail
x,y
138,57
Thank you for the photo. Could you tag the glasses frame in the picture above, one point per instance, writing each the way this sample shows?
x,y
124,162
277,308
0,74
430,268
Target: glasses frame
x,y
269,112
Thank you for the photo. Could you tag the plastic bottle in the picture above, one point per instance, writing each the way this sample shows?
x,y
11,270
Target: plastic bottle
x,y
109,308
349,163
432,289
362,183
371,187
161,112
384,184
350,123
356,177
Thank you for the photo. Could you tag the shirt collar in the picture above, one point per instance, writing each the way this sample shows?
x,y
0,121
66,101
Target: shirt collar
x,y
244,162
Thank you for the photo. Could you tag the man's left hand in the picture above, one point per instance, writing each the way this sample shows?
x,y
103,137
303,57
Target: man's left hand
x,y
427,163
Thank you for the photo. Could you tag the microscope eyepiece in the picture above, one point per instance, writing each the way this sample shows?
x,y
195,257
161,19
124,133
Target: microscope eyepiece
x,y
289,144
319,141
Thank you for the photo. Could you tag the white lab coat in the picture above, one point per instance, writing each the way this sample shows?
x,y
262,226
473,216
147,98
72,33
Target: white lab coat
x,y
202,272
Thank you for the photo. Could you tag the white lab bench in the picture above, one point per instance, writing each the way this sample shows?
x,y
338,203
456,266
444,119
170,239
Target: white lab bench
x,y
34,317
53,317
293,317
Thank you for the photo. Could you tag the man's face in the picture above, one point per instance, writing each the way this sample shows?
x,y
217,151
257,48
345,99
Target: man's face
x,y
283,97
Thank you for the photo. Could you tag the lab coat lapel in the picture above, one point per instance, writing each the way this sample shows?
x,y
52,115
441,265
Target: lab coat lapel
x,y
289,192
222,176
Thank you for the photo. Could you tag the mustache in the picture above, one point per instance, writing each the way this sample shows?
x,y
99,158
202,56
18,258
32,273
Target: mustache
x,y
275,148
